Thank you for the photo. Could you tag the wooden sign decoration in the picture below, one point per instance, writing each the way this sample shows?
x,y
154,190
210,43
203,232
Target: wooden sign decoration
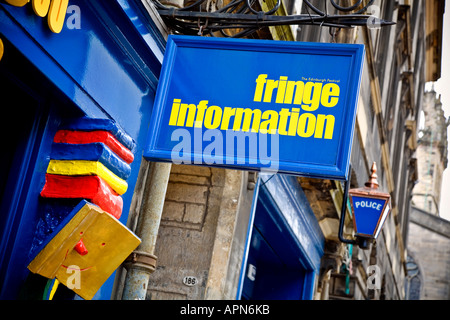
x,y
90,160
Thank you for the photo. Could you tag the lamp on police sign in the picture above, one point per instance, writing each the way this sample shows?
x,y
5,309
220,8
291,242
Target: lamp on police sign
x,y
370,208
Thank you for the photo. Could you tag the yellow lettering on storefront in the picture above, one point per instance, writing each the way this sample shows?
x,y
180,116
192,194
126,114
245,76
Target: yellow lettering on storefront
x,y
305,97
1,49
285,122
57,15
40,7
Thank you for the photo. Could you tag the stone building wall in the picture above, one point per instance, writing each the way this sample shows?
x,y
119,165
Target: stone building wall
x,y
429,244
431,155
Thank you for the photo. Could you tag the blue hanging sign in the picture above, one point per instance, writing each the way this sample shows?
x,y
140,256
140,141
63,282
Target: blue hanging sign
x,y
369,215
279,106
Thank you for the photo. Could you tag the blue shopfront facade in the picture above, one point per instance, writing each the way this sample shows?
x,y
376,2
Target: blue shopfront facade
x,y
285,243
104,64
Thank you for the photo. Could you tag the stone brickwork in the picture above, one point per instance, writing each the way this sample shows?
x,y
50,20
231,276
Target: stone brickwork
x,y
187,197
186,233
196,234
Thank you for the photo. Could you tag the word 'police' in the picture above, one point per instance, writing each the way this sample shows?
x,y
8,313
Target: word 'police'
x,y
368,204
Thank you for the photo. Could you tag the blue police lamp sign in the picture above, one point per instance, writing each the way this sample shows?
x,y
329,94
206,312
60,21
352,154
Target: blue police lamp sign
x,y
370,207
369,215
286,107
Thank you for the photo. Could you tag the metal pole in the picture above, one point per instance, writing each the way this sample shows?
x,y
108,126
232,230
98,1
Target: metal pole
x,y
343,212
142,261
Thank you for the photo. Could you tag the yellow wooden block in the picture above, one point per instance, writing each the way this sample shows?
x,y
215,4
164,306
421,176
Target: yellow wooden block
x,y
86,167
107,241
2,48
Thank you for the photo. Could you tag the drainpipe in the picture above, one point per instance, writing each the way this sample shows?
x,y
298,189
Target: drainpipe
x,y
142,262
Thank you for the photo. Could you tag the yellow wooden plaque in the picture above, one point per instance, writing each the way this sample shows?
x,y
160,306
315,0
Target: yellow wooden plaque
x,y
107,241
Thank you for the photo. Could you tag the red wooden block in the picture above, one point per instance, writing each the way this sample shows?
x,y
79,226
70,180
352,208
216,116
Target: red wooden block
x,y
92,188
81,137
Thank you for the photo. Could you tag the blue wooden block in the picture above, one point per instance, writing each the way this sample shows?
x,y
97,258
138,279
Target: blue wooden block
x,y
54,214
93,152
